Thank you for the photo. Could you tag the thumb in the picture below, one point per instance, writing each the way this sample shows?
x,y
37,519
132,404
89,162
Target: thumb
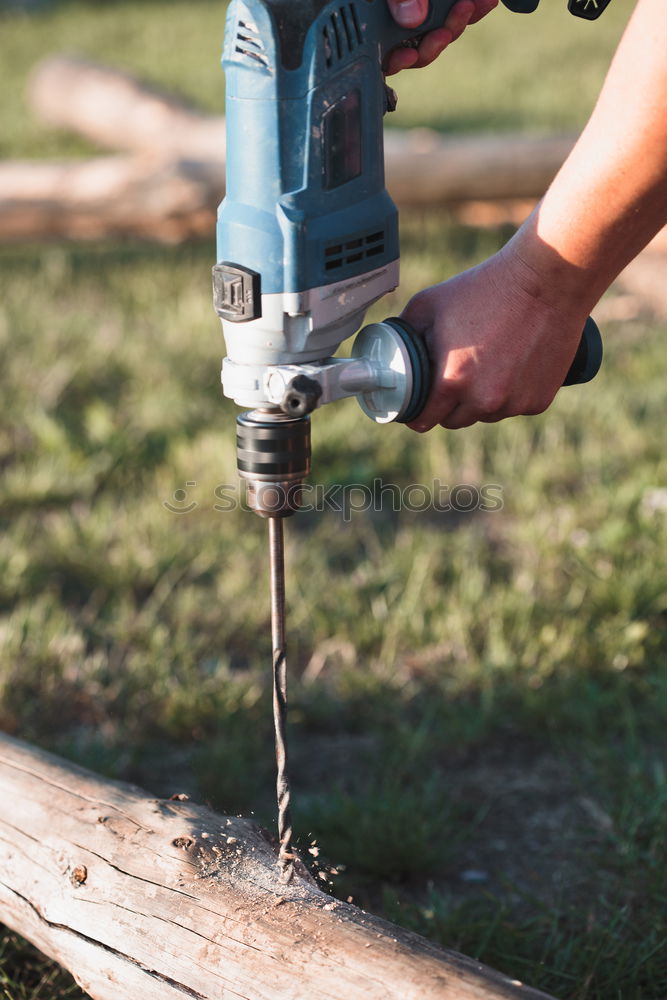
x,y
408,13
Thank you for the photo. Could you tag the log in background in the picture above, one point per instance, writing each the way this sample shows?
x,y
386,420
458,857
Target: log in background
x,y
167,176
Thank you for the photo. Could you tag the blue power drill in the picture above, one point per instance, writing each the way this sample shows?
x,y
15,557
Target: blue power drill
x,y
308,235
307,241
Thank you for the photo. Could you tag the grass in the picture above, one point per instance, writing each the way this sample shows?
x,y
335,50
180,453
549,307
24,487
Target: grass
x,y
24,975
477,699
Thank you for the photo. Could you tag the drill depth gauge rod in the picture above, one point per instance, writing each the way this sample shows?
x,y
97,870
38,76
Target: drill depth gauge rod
x,y
307,241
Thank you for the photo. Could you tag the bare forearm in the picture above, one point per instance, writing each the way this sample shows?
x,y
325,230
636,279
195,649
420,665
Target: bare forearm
x,y
610,197
502,335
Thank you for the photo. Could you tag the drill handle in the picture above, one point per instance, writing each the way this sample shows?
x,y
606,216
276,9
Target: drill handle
x,y
521,6
393,35
585,364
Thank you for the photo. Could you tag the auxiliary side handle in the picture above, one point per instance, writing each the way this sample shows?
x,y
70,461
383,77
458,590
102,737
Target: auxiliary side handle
x,y
585,364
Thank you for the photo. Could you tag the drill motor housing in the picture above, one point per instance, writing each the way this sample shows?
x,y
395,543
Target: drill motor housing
x,y
307,233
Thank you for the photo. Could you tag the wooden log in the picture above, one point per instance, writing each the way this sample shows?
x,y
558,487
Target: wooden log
x,y
169,190
144,196
486,214
425,168
118,111
163,900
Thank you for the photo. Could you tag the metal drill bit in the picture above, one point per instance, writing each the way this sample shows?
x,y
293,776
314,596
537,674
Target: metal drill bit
x,y
276,552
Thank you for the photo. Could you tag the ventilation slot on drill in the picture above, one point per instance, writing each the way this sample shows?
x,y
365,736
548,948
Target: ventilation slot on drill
x,y
342,34
338,256
249,44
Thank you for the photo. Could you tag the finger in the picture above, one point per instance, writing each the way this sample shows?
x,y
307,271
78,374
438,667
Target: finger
x,y
400,59
408,13
482,8
420,425
435,42
432,45
461,416
440,406
459,17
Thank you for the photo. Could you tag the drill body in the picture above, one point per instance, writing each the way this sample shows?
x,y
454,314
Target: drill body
x,y
307,240
307,233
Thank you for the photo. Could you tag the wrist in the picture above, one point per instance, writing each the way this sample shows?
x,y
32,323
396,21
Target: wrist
x,y
543,274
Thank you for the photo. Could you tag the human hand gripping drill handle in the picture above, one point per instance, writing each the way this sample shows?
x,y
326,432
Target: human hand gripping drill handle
x,y
307,234
307,241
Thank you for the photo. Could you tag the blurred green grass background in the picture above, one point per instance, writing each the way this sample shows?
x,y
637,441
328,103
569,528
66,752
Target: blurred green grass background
x,y
478,700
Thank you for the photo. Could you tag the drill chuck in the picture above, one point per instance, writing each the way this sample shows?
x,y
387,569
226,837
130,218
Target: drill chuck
x,y
273,456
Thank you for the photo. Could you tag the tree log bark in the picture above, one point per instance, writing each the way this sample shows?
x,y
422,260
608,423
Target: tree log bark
x,y
163,899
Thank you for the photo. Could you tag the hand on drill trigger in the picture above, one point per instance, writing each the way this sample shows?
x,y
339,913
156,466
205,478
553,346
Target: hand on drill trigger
x,y
411,13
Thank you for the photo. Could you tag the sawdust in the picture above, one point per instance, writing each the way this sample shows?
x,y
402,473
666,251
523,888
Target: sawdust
x,y
530,825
